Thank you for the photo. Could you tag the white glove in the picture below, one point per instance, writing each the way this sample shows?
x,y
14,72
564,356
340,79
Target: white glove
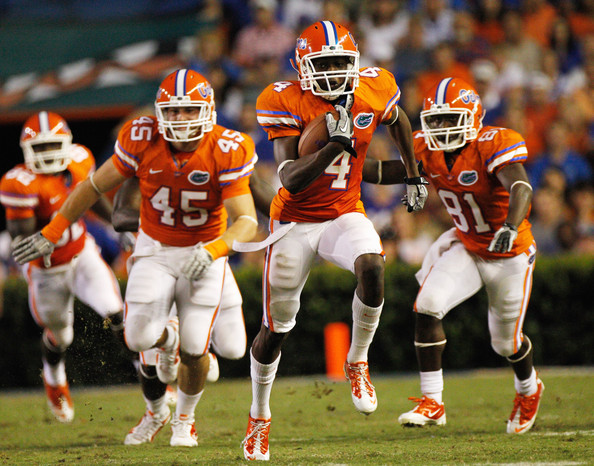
x,y
416,193
504,238
197,264
341,130
32,247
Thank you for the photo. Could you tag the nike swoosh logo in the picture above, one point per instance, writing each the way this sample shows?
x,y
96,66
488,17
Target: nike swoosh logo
x,y
344,128
433,175
55,199
432,413
152,172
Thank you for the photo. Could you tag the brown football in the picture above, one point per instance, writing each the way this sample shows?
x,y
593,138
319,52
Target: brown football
x,y
315,135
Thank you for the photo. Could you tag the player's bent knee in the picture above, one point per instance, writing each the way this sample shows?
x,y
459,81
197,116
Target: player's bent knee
x,y
62,338
503,348
141,333
230,350
284,313
430,305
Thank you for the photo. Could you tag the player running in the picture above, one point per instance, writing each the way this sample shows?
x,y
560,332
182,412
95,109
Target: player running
x,y
479,176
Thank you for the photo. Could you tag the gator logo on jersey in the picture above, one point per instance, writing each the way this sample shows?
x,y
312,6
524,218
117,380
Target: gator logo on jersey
x,y
198,177
467,178
363,120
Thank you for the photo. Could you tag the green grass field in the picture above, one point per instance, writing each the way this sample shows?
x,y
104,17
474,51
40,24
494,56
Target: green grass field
x,y
314,422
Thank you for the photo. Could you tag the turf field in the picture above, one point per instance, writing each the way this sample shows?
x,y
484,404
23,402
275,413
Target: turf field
x,y
314,422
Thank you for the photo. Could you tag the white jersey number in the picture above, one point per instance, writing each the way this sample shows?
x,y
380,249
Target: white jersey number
x,y
454,207
192,216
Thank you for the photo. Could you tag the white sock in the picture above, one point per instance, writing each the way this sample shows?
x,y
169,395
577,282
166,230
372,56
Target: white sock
x,y
432,384
365,322
263,376
528,386
158,406
54,375
186,404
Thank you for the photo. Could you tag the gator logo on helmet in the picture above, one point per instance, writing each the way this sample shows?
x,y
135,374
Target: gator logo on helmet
x,y
363,120
301,43
197,177
467,178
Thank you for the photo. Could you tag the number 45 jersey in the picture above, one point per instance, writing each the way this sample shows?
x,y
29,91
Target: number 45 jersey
x,y
182,196
471,192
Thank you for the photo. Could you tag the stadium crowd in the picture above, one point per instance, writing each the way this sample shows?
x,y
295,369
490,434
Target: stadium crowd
x,y
532,61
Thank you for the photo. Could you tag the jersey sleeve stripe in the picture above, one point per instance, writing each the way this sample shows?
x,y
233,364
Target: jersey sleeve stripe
x,y
391,104
19,201
272,118
226,176
520,154
126,158
502,151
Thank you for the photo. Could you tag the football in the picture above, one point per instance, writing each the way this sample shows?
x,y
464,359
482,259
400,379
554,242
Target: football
x,y
315,135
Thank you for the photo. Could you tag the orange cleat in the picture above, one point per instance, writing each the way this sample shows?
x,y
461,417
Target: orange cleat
x,y
525,410
427,412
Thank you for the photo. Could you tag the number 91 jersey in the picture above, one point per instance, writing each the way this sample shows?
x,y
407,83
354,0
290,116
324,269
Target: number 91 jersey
x,y
182,196
471,192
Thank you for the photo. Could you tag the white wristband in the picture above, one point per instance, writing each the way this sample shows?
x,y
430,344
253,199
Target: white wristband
x,y
249,217
521,182
379,172
280,167
93,184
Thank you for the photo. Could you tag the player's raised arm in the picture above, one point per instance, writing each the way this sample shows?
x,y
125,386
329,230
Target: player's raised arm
x,y
80,200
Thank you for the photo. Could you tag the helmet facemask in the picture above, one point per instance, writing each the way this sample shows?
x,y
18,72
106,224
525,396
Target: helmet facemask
x,y
48,152
319,81
446,128
185,130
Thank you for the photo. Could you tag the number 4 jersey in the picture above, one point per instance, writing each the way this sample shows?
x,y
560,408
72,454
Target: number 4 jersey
x,y
471,192
284,109
25,194
182,195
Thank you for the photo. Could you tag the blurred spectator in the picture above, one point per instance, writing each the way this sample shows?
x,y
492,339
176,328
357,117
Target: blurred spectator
x,y
438,20
514,117
265,38
548,214
540,109
489,14
564,43
411,101
384,23
580,14
581,200
412,57
248,124
413,235
338,11
298,14
517,45
484,73
468,45
558,154
538,16
444,64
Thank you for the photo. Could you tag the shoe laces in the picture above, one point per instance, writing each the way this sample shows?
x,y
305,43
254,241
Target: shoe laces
x,y
359,377
527,405
257,434
424,404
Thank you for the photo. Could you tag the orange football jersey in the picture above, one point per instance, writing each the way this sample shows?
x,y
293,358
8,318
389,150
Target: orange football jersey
x,y
182,198
283,109
471,191
25,194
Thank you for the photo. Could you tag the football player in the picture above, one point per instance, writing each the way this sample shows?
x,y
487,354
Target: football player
x,y
193,176
318,210
479,175
228,333
32,193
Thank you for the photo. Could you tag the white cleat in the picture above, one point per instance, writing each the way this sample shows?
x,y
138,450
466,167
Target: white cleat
x,y
149,426
183,432
362,391
60,402
255,443
525,410
428,412
213,368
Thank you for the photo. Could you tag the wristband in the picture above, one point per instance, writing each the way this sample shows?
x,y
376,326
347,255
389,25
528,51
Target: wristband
x,y
217,248
54,229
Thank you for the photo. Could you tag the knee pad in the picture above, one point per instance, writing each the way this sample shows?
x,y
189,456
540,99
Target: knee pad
x,y
283,314
502,347
230,348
